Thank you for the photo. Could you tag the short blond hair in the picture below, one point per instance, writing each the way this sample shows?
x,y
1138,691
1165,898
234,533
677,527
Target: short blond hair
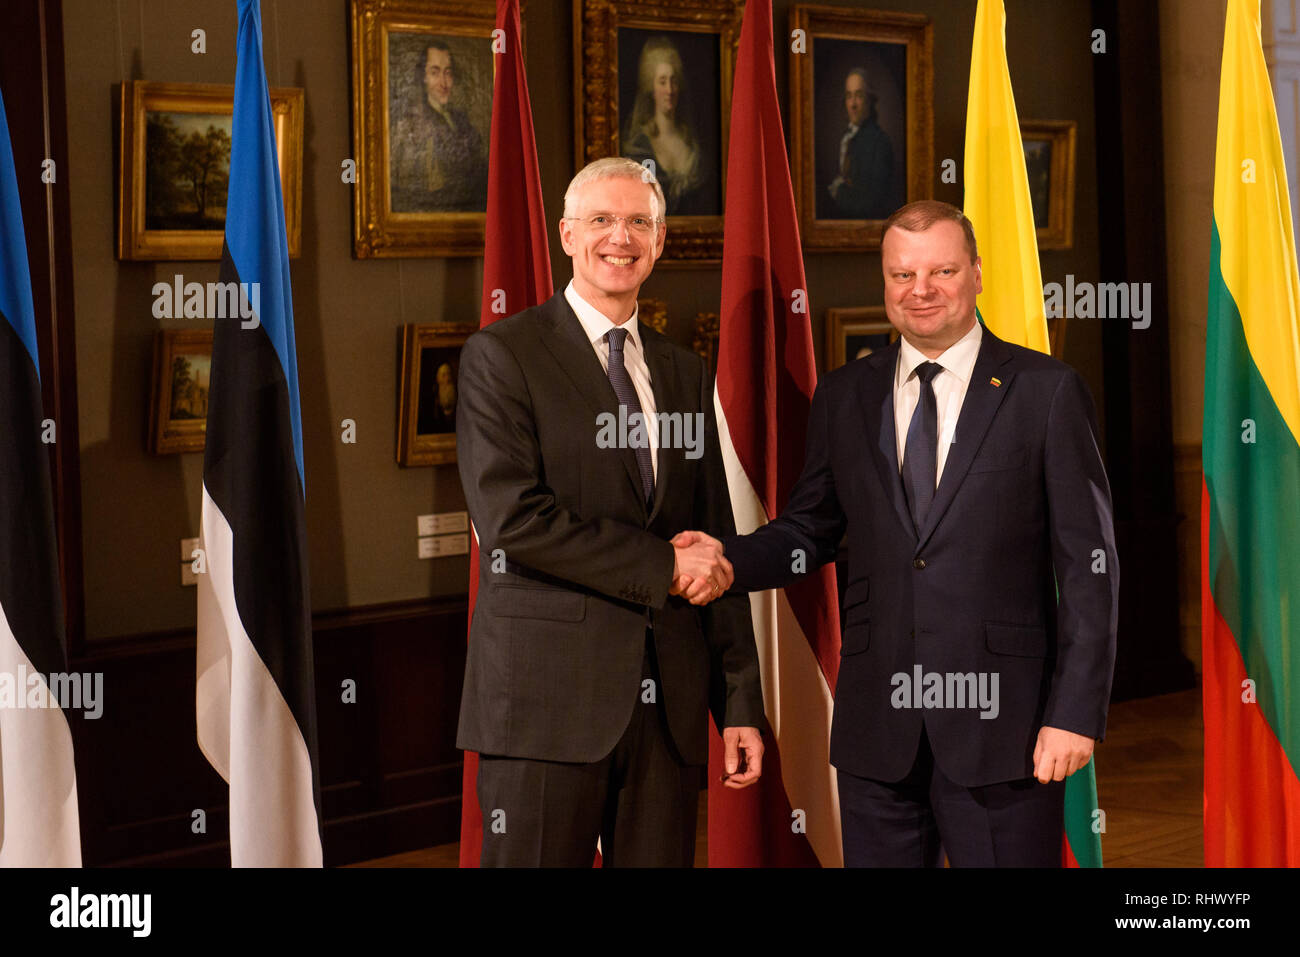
x,y
612,167
919,216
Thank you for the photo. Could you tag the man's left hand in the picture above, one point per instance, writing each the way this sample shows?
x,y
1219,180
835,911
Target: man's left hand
x,y
1059,754
736,740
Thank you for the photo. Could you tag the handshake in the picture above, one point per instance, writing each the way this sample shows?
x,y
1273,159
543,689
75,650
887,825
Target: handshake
x,y
700,572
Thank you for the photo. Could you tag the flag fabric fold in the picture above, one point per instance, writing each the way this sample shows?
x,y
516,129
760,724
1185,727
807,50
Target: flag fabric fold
x,y
39,825
255,696
765,380
516,275
1011,305
1250,527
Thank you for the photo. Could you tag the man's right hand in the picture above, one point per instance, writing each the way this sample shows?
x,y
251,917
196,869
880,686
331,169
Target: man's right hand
x,y
700,571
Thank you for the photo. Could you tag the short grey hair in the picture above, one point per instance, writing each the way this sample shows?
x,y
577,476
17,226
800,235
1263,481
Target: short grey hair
x,y
612,167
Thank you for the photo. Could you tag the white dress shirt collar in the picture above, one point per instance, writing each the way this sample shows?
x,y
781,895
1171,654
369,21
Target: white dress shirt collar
x,y
596,324
959,358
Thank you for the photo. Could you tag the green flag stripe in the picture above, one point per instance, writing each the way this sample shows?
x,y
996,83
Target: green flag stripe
x,y
1252,470
1080,801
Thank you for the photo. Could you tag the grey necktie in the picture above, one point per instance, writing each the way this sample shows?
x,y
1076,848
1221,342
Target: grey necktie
x,y
623,388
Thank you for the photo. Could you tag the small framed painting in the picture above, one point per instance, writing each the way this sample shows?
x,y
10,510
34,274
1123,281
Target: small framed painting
x,y
426,411
178,410
856,332
1049,161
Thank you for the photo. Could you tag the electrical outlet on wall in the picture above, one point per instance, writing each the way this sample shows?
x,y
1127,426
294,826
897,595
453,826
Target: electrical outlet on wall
x,y
441,523
443,546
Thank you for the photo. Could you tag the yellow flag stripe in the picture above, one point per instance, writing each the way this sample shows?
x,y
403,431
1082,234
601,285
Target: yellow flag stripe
x,y
1252,209
997,191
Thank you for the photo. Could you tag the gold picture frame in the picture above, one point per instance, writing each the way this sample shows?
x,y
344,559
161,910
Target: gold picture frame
x,y
426,405
654,313
157,186
850,330
705,333
847,178
1049,160
421,171
701,38
178,407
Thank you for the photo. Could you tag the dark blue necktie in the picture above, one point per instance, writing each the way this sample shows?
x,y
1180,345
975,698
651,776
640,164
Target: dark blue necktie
x,y
920,455
623,388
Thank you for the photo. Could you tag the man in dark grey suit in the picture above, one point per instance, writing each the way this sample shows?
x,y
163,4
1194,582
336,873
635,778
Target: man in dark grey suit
x,y
585,441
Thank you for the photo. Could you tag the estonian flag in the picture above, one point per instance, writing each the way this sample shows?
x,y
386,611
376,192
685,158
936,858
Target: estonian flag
x,y
255,699
38,783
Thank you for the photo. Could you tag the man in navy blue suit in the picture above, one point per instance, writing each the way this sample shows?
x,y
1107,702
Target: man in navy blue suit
x,y
966,474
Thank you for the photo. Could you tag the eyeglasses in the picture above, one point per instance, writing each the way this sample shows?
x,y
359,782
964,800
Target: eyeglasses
x,y
605,222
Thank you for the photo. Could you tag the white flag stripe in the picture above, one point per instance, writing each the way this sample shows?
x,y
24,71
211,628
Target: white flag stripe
x,y
38,780
796,697
245,728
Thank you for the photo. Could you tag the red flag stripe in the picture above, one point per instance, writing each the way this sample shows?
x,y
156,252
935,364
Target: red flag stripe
x,y
1246,825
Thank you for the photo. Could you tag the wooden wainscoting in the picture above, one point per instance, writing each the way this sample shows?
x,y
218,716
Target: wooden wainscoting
x,y
390,771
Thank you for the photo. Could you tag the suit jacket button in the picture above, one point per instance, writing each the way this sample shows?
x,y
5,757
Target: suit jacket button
x,y
918,563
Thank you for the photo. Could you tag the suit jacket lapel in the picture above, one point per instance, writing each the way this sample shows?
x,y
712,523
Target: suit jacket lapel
x,y
876,389
977,411
574,354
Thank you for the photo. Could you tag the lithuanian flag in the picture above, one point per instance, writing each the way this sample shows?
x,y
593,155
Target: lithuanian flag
x,y
1250,502
1011,305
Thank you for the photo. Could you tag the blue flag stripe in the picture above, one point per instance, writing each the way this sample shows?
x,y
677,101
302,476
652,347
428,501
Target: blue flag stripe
x,y
255,235
15,278
29,560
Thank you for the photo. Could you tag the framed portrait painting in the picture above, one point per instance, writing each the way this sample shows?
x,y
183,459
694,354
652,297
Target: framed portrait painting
x,y
855,332
426,413
1049,161
178,409
422,76
861,119
174,168
654,80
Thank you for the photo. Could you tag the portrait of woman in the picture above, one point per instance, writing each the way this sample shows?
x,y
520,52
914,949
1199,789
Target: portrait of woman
x,y
660,126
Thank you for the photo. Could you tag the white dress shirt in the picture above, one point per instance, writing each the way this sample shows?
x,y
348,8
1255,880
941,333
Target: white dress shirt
x,y
958,362
849,133
596,324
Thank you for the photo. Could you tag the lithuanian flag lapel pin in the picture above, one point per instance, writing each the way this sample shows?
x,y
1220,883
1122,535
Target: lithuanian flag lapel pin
x,y
995,382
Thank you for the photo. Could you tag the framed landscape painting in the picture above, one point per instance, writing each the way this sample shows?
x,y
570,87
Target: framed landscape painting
x,y
178,410
174,168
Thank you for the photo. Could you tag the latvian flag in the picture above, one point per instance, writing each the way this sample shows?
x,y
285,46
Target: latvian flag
x,y
766,378
255,699
38,783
